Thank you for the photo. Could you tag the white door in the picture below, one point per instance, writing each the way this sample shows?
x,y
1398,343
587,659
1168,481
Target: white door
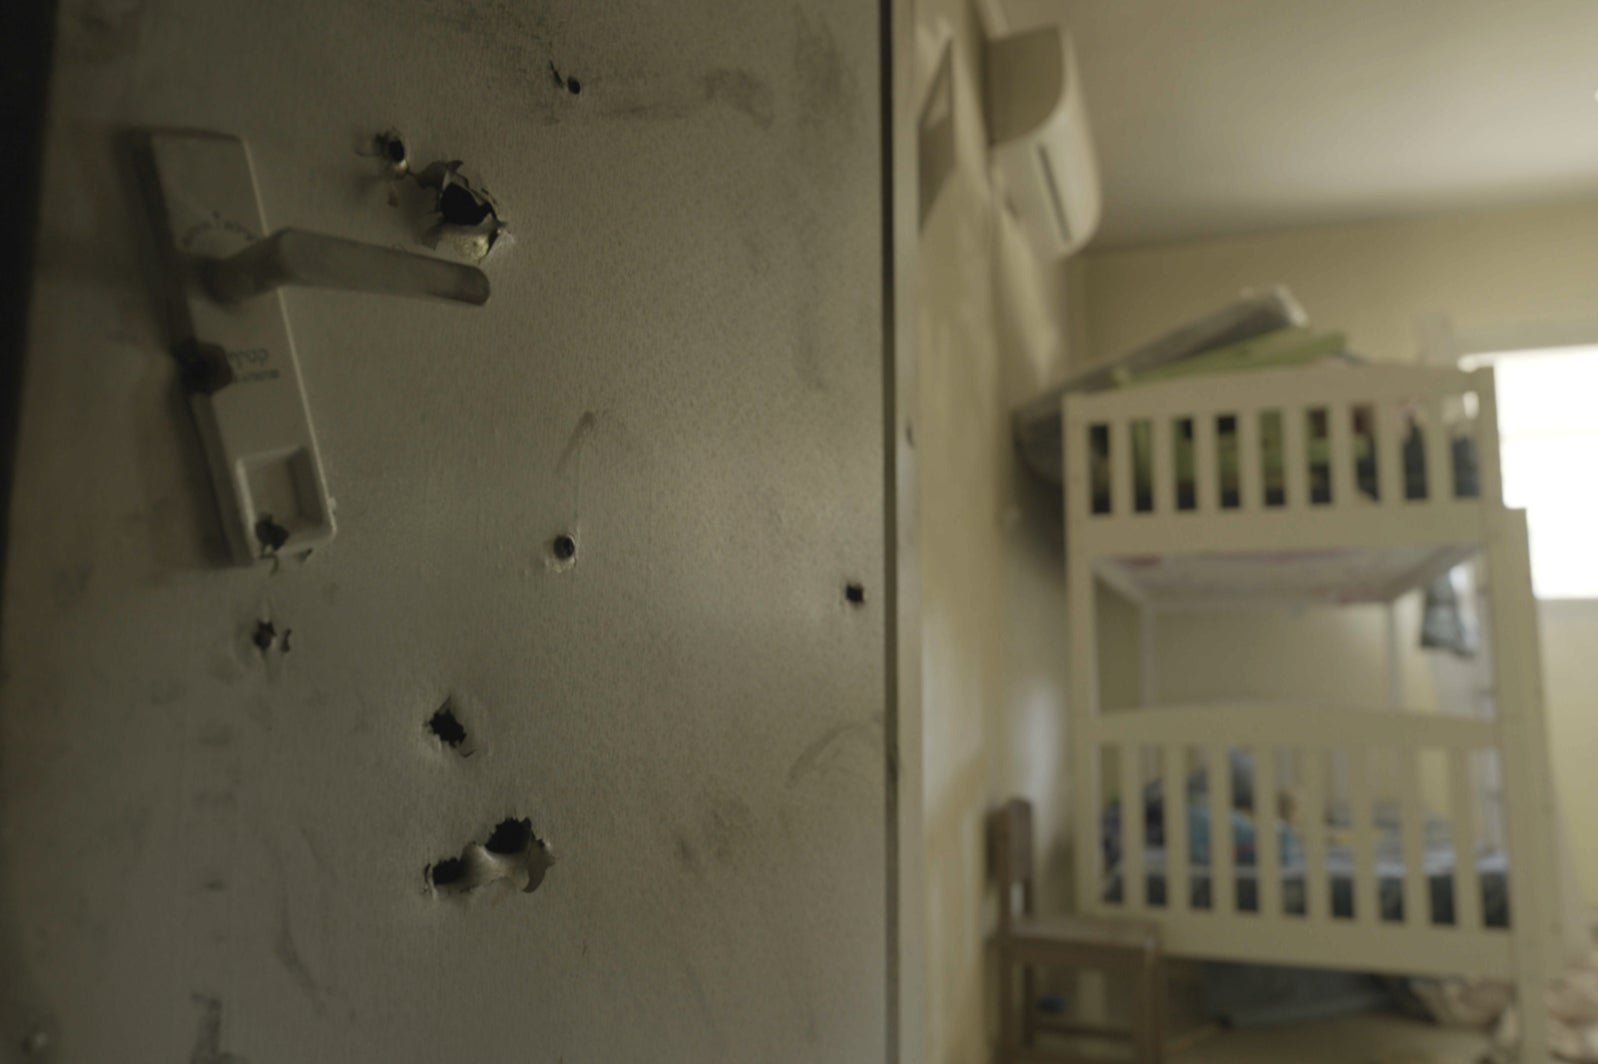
x,y
223,804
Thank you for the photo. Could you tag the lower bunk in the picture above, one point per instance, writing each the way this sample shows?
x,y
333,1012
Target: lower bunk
x,y
1338,841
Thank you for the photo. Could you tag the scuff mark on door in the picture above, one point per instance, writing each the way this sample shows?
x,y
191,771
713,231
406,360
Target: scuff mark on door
x,y
288,954
208,1035
828,747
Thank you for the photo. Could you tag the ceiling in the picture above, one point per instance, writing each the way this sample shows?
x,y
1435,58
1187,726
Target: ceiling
x,y
1217,117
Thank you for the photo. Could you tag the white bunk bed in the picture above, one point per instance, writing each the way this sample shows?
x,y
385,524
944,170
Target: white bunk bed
x,y
1329,484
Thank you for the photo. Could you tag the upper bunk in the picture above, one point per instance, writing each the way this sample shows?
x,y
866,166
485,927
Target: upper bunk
x,y
1330,483
1246,459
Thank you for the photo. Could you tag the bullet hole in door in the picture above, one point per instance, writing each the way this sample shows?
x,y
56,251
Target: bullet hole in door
x,y
570,84
446,872
203,369
513,852
463,216
510,836
270,535
855,592
445,205
265,635
391,148
447,727
563,551
457,205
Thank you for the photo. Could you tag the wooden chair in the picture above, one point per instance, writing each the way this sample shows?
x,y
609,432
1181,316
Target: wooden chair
x,y
1027,942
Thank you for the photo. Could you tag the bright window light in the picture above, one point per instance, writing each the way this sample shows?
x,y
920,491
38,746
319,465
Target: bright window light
x,y
1548,434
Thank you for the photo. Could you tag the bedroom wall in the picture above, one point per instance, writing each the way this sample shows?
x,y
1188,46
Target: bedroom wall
x,y
990,331
1378,282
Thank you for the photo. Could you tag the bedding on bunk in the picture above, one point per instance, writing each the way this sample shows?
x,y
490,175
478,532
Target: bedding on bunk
x,y
1463,456
1252,315
1260,995
1439,857
1318,446
1255,333
1288,347
1491,869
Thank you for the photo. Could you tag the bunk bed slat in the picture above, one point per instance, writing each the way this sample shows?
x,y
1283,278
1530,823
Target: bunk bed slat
x,y
1534,904
1082,651
1487,457
1177,893
1205,483
1317,882
1250,461
1467,883
1295,461
1340,440
1123,498
1132,814
1267,852
1162,462
1148,647
1390,452
1412,825
1223,881
1076,454
1439,454
1360,816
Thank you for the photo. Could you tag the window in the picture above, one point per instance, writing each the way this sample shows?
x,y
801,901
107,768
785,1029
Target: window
x,y
1548,432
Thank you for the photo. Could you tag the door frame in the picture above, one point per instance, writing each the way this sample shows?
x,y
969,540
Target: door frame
x,y
27,56
905,961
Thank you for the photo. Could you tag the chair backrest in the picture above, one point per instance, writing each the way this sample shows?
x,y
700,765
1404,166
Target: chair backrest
x,y
1010,834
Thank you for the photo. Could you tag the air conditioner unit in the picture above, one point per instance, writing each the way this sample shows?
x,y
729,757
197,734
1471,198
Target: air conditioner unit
x,y
1040,139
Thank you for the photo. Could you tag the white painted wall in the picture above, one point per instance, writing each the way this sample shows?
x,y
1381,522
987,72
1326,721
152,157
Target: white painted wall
x,y
209,854
1375,280
1378,282
990,327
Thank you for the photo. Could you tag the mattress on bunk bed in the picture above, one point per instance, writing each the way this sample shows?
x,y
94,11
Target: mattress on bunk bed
x,y
1266,995
1037,423
1438,850
1462,457
1491,867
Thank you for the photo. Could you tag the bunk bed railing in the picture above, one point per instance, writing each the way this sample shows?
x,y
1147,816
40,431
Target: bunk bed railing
x,y
1345,895
1265,449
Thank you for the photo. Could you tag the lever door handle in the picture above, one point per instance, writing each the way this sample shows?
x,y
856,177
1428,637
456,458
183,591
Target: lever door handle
x,y
233,333
316,260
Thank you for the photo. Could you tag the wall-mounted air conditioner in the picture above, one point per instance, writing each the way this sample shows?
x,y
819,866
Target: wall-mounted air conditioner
x,y
1041,142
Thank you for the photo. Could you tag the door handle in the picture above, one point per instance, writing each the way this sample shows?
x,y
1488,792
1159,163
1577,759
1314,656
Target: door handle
x,y
234,340
316,260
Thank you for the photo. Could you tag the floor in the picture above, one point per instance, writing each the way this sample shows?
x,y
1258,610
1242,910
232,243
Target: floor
x,y
1373,1038
1370,1038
